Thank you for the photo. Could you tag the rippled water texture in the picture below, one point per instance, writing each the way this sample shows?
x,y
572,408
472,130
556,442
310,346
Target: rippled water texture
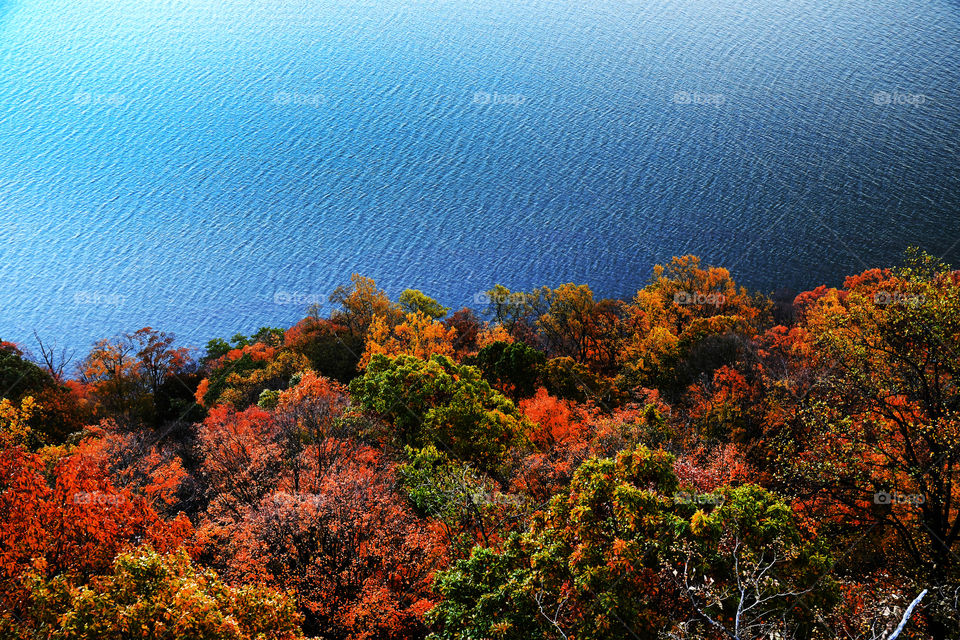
x,y
189,164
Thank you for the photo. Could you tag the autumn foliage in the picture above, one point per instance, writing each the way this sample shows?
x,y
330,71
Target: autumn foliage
x,y
694,462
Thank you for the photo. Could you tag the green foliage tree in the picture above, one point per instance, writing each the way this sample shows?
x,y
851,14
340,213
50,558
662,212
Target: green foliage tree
x,y
18,376
218,347
513,367
468,504
215,348
588,563
612,559
414,300
441,403
749,569
489,594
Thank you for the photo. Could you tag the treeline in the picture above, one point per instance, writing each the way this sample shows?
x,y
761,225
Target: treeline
x,y
698,462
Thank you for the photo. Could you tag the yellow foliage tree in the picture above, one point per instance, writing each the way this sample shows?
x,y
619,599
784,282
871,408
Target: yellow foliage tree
x,y
361,302
14,427
684,304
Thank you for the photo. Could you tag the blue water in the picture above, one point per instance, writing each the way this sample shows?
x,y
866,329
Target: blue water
x,y
187,164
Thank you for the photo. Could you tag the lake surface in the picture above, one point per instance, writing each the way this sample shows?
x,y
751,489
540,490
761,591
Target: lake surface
x,y
210,167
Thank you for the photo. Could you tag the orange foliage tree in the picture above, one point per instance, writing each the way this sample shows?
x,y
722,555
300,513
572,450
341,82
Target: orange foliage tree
x,y
419,335
876,433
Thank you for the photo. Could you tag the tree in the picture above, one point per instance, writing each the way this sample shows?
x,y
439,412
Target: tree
x,y
360,302
158,358
872,608
880,429
216,348
269,336
414,300
328,346
468,328
566,324
160,363
244,390
54,410
513,367
487,595
53,361
159,597
239,376
517,311
576,326
61,513
465,501
18,376
128,375
556,421
309,419
568,379
749,570
607,560
418,335
241,456
346,545
586,568
439,402
112,370
15,421
728,407
687,322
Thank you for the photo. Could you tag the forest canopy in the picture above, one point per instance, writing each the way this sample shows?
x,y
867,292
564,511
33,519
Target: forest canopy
x,y
695,462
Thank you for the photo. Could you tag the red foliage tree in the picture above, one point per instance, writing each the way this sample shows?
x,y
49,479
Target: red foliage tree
x,y
65,515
